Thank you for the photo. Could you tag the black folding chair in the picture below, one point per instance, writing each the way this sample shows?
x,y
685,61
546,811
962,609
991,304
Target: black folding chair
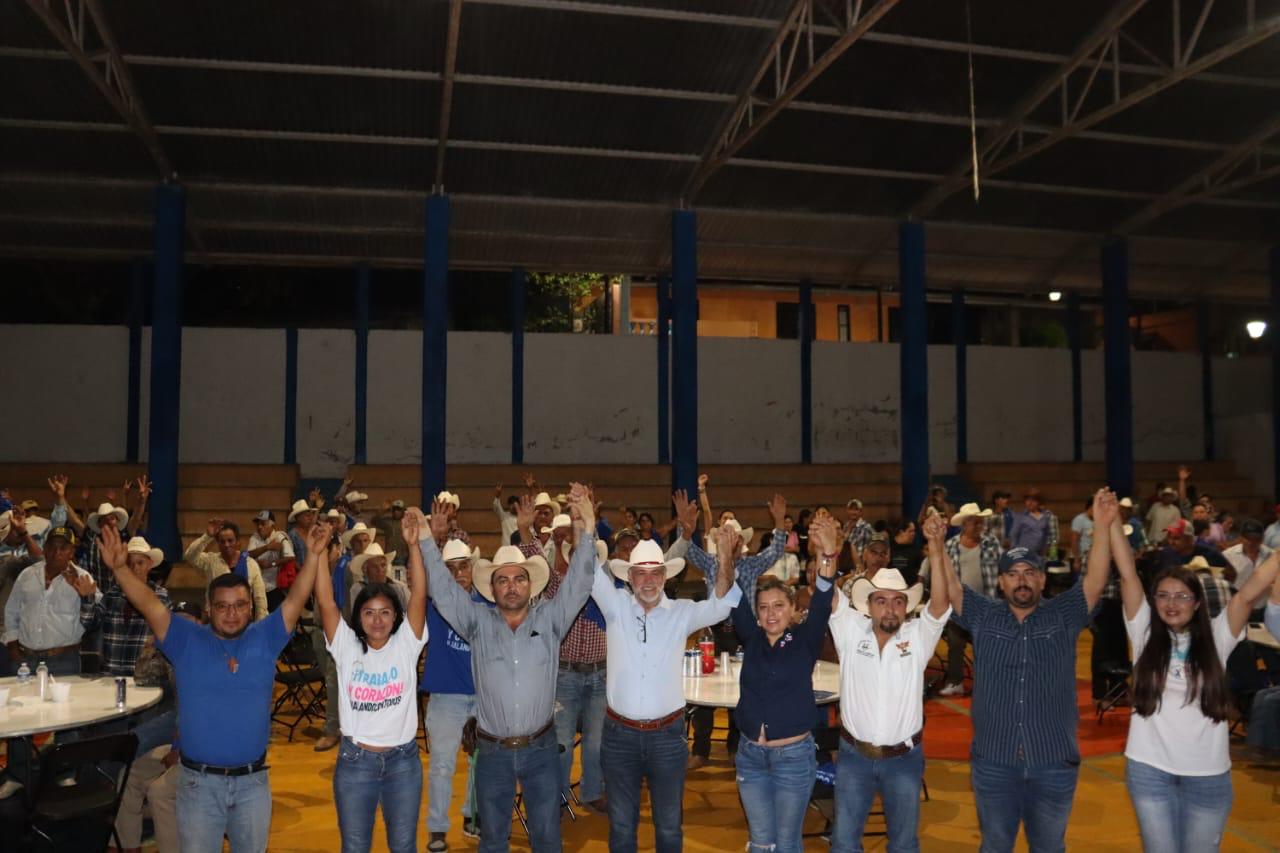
x,y
1117,674
79,790
302,679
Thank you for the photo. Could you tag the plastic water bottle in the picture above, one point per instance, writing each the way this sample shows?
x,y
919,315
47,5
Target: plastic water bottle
x,y
42,679
24,674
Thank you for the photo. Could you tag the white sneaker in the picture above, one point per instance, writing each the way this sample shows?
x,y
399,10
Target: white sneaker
x,y
952,690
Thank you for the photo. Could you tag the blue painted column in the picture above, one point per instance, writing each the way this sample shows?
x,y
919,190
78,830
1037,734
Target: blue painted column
x,y
1074,332
806,329
1273,333
1116,341
517,365
435,343
364,284
1203,330
291,395
913,368
137,316
684,350
664,369
166,369
960,340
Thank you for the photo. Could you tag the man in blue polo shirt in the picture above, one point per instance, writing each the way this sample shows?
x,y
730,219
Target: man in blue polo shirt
x,y
225,672
1024,758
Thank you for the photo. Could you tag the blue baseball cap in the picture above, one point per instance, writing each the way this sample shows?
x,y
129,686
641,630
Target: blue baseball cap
x,y
1014,556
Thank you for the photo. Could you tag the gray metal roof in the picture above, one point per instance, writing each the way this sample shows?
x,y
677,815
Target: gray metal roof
x,y
311,133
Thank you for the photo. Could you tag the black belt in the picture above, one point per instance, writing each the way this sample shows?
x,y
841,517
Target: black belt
x,y
876,752
214,770
578,666
517,742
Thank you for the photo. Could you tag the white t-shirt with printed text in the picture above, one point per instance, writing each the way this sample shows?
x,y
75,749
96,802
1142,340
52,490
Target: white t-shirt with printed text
x,y
378,703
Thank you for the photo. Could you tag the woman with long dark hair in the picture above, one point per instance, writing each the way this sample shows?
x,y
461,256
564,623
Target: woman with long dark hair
x,y
1179,767
376,655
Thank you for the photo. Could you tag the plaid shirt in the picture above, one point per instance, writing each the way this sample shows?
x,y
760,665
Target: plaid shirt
x,y
989,552
1217,592
746,570
859,535
124,630
585,642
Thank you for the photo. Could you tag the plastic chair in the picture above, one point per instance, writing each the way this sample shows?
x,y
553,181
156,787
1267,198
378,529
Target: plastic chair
x,y
82,815
302,678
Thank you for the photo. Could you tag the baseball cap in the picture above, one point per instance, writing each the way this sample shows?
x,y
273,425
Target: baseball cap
x,y
1013,556
397,504
1168,490
265,515
878,538
627,531
1251,528
63,533
1181,527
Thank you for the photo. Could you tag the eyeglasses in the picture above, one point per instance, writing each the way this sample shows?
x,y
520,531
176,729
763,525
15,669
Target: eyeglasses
x,y
235,606
1180,597
643,622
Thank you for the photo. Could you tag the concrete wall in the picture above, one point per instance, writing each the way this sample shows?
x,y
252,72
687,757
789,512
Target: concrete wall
x,y
748,400
326,401
1019,404
1242,418
855,402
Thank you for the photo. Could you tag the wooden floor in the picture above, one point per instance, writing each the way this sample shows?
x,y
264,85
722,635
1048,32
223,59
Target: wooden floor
x,y
1102,819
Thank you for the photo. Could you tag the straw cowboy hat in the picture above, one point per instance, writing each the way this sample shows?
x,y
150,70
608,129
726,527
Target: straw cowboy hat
x,y
138,545
969,511
356,529
509,555
456,549
354,497
544,499
374,550
122,517
299,507
448,497
886,579
560,520
1200,564
747,534
646,555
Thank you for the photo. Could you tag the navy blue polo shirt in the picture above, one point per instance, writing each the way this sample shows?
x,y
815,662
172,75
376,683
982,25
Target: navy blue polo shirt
x,y
1024,678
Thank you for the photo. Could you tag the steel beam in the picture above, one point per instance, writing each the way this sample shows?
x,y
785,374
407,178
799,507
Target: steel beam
x,y
446,90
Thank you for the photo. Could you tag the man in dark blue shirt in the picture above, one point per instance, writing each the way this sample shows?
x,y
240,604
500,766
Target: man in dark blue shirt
x,y
1024,757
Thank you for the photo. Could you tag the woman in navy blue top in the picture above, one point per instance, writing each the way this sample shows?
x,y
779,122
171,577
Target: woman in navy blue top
x,y
776,713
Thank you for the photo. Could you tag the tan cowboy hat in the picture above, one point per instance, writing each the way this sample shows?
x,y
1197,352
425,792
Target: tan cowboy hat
x,y
356,529
107,509
888,579
747,534
374,550
335,514
448,497
456,549
138,545
646,555
510,555
1126,503
1198,564
544,499
969,511
560,520
354,497
299,507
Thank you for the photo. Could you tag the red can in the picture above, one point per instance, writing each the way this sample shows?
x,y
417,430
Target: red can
x,y
708,650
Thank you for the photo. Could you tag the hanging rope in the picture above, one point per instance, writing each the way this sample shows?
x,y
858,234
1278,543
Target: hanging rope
x,y
973,112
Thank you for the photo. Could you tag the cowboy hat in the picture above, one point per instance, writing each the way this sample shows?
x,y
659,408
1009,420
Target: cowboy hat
x,y
299,507
510,555
355,497
887,579
374,550
646,555
560,520
1127,503
544,499
456,549
969,511
1198,564
448,497
138,545
356,529
747,533
107,509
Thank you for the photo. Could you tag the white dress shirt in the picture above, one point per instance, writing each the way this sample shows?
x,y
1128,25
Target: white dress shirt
x,y
41,617
645,678
1244,567
881,691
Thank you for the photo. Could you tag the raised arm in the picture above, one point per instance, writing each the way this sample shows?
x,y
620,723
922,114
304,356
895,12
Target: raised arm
x,y
304,584
318,560
575,589
198,545
144,600
1241,603
1106,511
417,614
935,534
705,500
58,485
749,569
454,605
727,545
1131,592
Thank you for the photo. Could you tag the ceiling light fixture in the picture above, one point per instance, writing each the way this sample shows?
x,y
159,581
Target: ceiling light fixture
x,y
1256,328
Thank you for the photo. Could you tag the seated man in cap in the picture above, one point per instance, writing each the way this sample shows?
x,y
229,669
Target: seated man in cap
x,y
1180,547
1247,555
228,558
515,650
273,550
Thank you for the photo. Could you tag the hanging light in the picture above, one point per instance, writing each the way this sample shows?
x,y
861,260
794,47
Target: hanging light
x,y
1055,295
1256,328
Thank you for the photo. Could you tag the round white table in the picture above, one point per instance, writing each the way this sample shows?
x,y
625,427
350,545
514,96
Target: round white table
x,y
93,700
720,688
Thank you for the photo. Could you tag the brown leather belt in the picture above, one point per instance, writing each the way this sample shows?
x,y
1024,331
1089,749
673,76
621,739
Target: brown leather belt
x,y
56,650
644,725
874,752
519,742
579,666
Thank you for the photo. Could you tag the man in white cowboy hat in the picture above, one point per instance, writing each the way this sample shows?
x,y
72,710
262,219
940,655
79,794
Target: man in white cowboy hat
x,y
644,721
883,655
354,540
975,555
106,515
273,550
372,565
532,516
447,678
227,558
124,632
353,506
515,650
451,504
302,516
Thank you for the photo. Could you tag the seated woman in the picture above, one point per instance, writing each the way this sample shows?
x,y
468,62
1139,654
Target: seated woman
x,y
376,656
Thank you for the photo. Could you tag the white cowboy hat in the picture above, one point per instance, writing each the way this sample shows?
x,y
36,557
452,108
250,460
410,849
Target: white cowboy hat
x,y
138,545
448,497
888,579
299,507
374,550
544,499
355,497
456,549
108,509
646,555
334,513
747,534
510,555
969,511
1127,503
1199,564
560,520
356,529
1128,529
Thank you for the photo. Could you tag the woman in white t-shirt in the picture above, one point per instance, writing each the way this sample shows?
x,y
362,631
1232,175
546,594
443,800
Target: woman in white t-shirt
x,y
376,655
1179,767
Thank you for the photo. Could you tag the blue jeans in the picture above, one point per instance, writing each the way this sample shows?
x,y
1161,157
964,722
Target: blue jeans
x,y
581,694
896,780
1178,813
1010,794
362,779
658,757
209,806
775,783
447,713
537,769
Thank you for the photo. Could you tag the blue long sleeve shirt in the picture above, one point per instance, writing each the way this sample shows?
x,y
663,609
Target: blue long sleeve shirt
x,y
776,682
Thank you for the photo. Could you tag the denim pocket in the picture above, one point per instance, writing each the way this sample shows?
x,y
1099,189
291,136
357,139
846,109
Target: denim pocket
x,y
349,752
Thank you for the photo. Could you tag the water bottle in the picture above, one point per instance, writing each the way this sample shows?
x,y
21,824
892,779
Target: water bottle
x,y
42,679
24,674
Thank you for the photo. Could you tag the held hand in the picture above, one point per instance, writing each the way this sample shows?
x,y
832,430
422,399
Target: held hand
x,y
826,533
439,520
317,536
728,543
778,509
935,529
422,522
581,500
1106,509
111,548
